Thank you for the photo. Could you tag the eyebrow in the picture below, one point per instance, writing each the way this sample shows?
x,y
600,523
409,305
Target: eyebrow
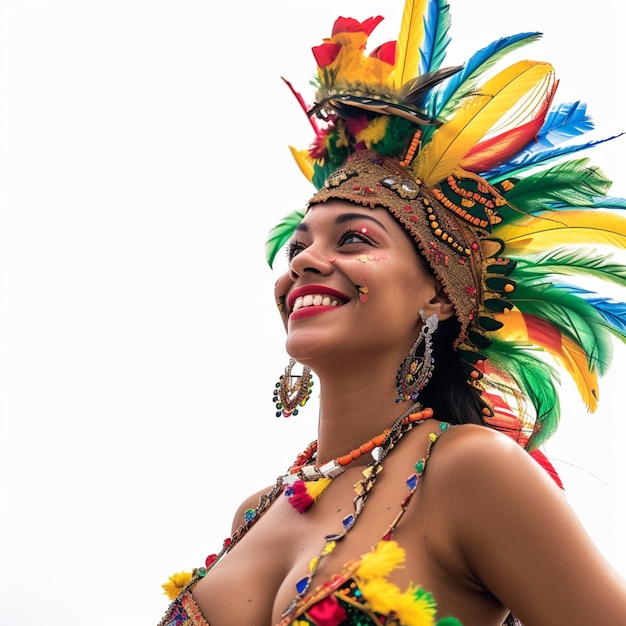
x,y
347,217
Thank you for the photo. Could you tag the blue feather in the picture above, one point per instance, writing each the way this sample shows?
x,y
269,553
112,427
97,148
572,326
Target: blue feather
x,y
534,155
613,311
600,202
462,83
563,122
436,37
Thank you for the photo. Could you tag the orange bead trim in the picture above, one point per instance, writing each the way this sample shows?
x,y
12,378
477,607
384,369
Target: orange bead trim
x,y
410,153
364,448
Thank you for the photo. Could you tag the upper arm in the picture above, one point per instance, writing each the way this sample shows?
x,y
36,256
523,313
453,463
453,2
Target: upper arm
x,y
521,540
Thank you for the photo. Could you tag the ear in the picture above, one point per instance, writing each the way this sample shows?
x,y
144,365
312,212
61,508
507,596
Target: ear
x,y
440,303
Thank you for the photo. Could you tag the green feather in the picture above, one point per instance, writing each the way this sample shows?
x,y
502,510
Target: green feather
x,y
280,234
572,315
566,185
565,261
536,378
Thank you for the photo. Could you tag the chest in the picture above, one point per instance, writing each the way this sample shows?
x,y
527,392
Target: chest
x,y
260,575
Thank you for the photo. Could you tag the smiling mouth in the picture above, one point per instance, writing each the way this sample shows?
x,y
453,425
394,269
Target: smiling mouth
x,y
315,299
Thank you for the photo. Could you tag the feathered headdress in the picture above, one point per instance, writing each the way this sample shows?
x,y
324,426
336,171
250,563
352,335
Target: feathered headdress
x,y
482,174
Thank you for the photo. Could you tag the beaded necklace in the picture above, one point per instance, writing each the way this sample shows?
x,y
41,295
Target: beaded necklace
x,y
305,481
412,417
406,422
306,597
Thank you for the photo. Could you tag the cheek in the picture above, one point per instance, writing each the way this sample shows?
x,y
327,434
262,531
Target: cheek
x,y
372,257
280,291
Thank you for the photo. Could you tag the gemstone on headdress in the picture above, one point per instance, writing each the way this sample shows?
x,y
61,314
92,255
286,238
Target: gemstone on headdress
x,y
406,188
340,176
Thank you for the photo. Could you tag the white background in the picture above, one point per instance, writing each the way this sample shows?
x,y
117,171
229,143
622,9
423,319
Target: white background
x,y
143,158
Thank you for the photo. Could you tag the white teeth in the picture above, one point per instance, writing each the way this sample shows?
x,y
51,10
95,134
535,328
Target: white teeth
x,y
314,300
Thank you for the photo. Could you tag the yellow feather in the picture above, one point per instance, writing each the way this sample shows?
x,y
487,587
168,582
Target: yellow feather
x,y
304,162
574,227
576,363
374,132
571,356
409,41
502,97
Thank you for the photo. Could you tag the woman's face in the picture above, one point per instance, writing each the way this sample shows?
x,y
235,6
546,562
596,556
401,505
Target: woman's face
x,y
355,286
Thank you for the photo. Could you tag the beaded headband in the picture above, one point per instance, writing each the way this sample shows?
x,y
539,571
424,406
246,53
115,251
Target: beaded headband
x,y
452,250
481,174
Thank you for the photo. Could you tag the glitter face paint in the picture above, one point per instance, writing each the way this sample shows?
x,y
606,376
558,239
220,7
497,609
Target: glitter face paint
x,y
364,258
363,291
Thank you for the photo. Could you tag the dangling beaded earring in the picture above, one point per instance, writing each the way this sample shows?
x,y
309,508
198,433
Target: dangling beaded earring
x,y
416,370
292,390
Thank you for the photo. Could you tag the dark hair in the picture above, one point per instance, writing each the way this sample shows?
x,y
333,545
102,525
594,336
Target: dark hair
x,y
448,393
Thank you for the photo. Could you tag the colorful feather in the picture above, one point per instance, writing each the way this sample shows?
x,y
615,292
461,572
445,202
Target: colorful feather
x,y
527,328
436,36
613,311
564,122
280,234
444,101
454,139
304,161
535,155
565,185
536,378
531,235
543,460
410,40
566,261
303,106
499,148
572,316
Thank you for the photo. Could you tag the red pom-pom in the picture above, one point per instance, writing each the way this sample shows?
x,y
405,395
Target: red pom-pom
x,y
299,497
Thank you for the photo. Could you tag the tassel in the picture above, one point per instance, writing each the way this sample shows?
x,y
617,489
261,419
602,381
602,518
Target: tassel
x,y
302,495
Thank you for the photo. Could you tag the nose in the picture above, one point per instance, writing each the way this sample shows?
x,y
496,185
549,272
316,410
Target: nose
x,y
310,260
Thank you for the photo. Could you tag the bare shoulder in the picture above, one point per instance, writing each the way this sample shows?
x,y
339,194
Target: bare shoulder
x,y
516,533
490,480
251,502
470,452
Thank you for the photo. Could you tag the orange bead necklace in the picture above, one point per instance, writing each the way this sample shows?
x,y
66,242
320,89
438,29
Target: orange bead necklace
x,y
305,481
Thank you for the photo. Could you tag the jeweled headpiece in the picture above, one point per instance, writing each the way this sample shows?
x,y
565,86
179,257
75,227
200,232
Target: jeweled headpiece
x,y
481,174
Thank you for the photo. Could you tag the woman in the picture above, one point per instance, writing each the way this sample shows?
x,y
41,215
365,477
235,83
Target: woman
x,y
426,284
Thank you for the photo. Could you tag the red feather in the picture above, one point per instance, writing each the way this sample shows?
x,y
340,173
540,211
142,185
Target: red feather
x,y
542,459
499,149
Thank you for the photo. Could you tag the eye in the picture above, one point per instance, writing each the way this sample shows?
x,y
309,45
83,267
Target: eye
x,y
294,248
355,236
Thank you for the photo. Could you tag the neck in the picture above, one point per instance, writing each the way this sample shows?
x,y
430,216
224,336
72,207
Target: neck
x,y
352,412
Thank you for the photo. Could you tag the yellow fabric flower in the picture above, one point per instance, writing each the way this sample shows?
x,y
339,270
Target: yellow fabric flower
x,y
413,607
175,584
